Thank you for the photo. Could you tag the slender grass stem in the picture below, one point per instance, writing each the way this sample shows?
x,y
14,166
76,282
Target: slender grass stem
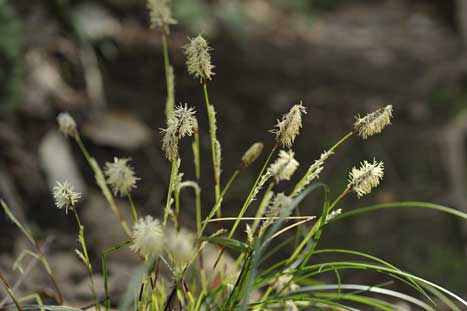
x,y
85,258
105,253
10,291
133,207
100,180
249,199
170,103
212,135
262,207
218,202
173,174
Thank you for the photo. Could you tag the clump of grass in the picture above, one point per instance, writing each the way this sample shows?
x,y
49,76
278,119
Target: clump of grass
x,y
251,282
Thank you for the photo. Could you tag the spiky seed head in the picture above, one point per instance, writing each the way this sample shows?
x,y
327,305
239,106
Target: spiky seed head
x,y
284,167
160,14
64,196
67,124
288,127
373,123
313,172
120,176
368,176
179,246
182,123
198,60
148,237
251,154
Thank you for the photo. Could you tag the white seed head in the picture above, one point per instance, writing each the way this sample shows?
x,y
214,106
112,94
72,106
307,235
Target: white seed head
x,y
180,247
67,124
64,196
313,172
291,306
279,201
285,284
161,14
287,128
284,167
148,237
199,58
182,123
362,180
374,122
251,154
260,185
333,215
120,176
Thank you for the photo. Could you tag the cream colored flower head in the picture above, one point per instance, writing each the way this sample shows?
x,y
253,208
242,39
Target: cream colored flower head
x,y
180,247
161,14
288,128
182,123
198,60
251,154
279,201
64,196
120,176
67,124
148,237
368,176
374,122
284,167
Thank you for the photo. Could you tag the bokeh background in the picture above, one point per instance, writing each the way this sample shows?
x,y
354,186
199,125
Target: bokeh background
x,y
99,61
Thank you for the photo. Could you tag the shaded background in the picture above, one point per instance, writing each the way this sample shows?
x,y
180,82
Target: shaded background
x,y
99,61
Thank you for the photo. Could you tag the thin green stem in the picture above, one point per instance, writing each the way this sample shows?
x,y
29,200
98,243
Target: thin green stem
x,y
303,181
100,180
9,291
212,134
218,202
169,79
105,253
196,154
133,208
248,200
86,260
173,174
262,207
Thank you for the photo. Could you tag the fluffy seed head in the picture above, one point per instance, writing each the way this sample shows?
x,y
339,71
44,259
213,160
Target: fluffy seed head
x,y
362,180
199,58
120,176
67,124
182,123
160,14
374,122
179,246
251,154
287,128
64,196
148,237
279,201
284,167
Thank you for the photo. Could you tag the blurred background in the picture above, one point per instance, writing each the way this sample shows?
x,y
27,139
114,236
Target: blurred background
x,y
99,61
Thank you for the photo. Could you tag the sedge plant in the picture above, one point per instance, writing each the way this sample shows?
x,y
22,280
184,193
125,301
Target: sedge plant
x,y
252,279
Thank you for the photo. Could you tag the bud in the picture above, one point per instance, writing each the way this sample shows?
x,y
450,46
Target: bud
x,y
251,154
67,124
